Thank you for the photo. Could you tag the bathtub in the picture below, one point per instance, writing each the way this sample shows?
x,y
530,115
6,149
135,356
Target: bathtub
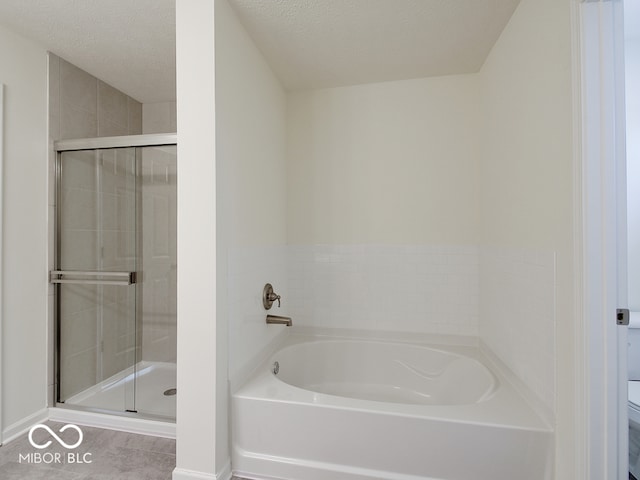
x,y
345,409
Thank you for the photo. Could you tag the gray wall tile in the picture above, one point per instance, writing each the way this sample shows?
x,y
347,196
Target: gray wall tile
x,y
78,88
135,117
113,109
76,122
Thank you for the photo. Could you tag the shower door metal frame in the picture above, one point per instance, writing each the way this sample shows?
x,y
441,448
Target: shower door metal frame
x,y
98,143
1,248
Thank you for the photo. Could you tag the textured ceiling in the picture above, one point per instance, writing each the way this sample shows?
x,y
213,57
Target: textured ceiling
x,y
328,43
129,44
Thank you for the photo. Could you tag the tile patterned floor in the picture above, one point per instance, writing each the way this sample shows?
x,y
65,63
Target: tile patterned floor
x,y
113,455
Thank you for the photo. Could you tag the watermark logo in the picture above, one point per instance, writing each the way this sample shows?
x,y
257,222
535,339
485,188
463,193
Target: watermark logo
x,y
53,434
55,457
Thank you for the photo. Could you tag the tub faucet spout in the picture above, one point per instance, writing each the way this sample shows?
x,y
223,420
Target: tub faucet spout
x,y
279,320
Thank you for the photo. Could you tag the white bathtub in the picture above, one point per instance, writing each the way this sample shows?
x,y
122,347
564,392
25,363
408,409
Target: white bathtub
x,y
341,409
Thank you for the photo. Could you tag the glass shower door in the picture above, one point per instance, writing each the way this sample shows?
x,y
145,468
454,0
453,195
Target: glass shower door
x,y
95,277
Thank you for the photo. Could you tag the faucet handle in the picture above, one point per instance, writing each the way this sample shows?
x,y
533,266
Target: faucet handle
x,y
273,297
269,296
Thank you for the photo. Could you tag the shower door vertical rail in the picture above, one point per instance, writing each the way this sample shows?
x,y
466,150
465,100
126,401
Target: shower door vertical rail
x,y
95,276
1,249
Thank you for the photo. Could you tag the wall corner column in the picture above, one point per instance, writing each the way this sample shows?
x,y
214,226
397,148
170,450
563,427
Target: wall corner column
x,y
201,450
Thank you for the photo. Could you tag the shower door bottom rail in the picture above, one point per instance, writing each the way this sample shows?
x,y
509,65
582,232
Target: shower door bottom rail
x,y
117,278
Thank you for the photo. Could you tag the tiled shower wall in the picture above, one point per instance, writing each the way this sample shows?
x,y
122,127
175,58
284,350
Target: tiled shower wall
x,y
397,288
505,296
401,288
158,259
518,315
97,317
158,230
82,106
159,117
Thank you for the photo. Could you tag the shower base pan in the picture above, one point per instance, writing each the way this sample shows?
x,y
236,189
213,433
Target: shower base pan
x,y
152,387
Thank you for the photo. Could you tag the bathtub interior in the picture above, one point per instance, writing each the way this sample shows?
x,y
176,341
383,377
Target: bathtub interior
x,y
385,372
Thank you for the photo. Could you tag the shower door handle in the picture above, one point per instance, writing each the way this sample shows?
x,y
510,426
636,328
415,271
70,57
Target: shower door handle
x,y
99,278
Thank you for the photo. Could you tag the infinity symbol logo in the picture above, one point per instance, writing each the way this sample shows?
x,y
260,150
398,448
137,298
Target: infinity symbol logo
x,y
53,434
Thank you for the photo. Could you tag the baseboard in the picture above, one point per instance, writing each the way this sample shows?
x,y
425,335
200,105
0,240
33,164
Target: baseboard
x,y
225,473
184,474
16,429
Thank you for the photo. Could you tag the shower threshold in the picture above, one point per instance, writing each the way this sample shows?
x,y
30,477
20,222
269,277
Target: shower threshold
x,y
151,381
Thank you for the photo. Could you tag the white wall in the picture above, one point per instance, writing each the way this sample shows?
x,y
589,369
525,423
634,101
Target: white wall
x,y
250,113
362,158
23,70
527,208
383,205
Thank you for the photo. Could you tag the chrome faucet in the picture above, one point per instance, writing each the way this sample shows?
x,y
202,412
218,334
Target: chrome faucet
x,y
276,319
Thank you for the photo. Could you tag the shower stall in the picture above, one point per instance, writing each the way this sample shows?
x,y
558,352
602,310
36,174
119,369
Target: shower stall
x,y
115,275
